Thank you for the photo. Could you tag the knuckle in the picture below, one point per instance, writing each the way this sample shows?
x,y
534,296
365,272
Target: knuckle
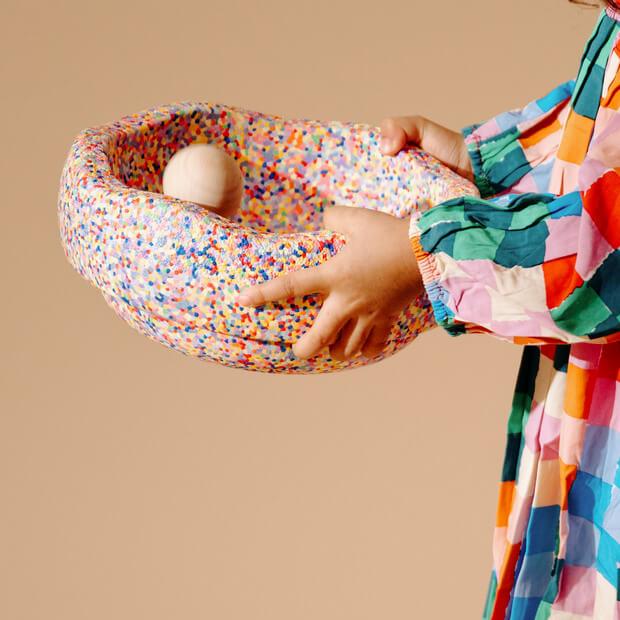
x,y
388,122
288,286
257,294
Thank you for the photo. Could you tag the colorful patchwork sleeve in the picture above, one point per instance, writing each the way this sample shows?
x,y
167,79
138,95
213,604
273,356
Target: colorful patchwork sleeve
x,y
529,267
497,147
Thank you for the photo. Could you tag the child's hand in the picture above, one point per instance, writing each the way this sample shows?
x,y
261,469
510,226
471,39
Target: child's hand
x,y
444,144
364,287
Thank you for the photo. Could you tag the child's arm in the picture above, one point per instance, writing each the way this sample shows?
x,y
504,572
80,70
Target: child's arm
x,y
529,267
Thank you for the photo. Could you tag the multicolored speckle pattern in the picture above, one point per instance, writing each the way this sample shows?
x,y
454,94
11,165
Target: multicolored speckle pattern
x,y
172,270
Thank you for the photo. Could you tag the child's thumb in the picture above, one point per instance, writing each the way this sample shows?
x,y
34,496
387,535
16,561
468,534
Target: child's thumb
x,y
394,134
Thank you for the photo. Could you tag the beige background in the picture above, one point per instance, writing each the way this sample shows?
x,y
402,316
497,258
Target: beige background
x,y
137,483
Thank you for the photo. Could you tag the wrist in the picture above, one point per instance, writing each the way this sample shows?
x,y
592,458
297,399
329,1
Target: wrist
x,y
408,262
464,166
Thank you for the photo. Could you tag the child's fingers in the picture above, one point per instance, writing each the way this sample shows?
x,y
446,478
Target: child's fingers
x,y
292,284
336,348
351,340
358,338
377,340
324,331
396,131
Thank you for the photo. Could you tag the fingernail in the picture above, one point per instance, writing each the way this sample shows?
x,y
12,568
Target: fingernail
x,y
243,300
299,355
385,144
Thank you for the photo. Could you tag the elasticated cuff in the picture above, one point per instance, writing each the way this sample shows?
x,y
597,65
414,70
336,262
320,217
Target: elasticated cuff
x,y
437,294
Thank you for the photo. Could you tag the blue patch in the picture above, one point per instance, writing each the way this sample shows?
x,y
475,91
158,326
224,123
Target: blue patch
x,y
510,169
440,237
608,558
605,282
508,120
568,204
534,577
511,456
557,95
542,529
605,328
523,248
601,452
589,497
561,357
587,101
541,176
583,542
524,608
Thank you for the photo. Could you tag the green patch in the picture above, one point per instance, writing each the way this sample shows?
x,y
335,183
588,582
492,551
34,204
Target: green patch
x,y
580,312
530,216
477,243
490,600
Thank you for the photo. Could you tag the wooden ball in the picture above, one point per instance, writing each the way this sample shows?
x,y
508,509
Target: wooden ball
x,y
207,175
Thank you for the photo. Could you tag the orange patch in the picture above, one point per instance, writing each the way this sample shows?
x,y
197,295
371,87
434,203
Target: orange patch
x,y
576,391
540,131
534,340
567,476
576,138
504,503
561,279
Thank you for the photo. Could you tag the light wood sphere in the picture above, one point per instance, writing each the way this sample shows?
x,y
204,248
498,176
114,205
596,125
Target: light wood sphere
x,y
206,175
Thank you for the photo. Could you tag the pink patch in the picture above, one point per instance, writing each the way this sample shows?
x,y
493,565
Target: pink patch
x,y
499,548
563,177
563,533
532,428
519,517
603,118
486,130
471,300
525,184
549,438
614,423
577,590
478,270
585,355
516,328
593,247
603,402
571,439
591,171
563,239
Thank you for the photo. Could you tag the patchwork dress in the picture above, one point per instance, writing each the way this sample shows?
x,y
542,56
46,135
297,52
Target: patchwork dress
x,y
536,261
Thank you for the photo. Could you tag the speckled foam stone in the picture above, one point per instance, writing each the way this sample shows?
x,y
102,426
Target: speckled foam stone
x,y
172,269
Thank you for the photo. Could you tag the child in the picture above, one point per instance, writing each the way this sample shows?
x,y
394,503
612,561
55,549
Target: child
x,y
534,261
